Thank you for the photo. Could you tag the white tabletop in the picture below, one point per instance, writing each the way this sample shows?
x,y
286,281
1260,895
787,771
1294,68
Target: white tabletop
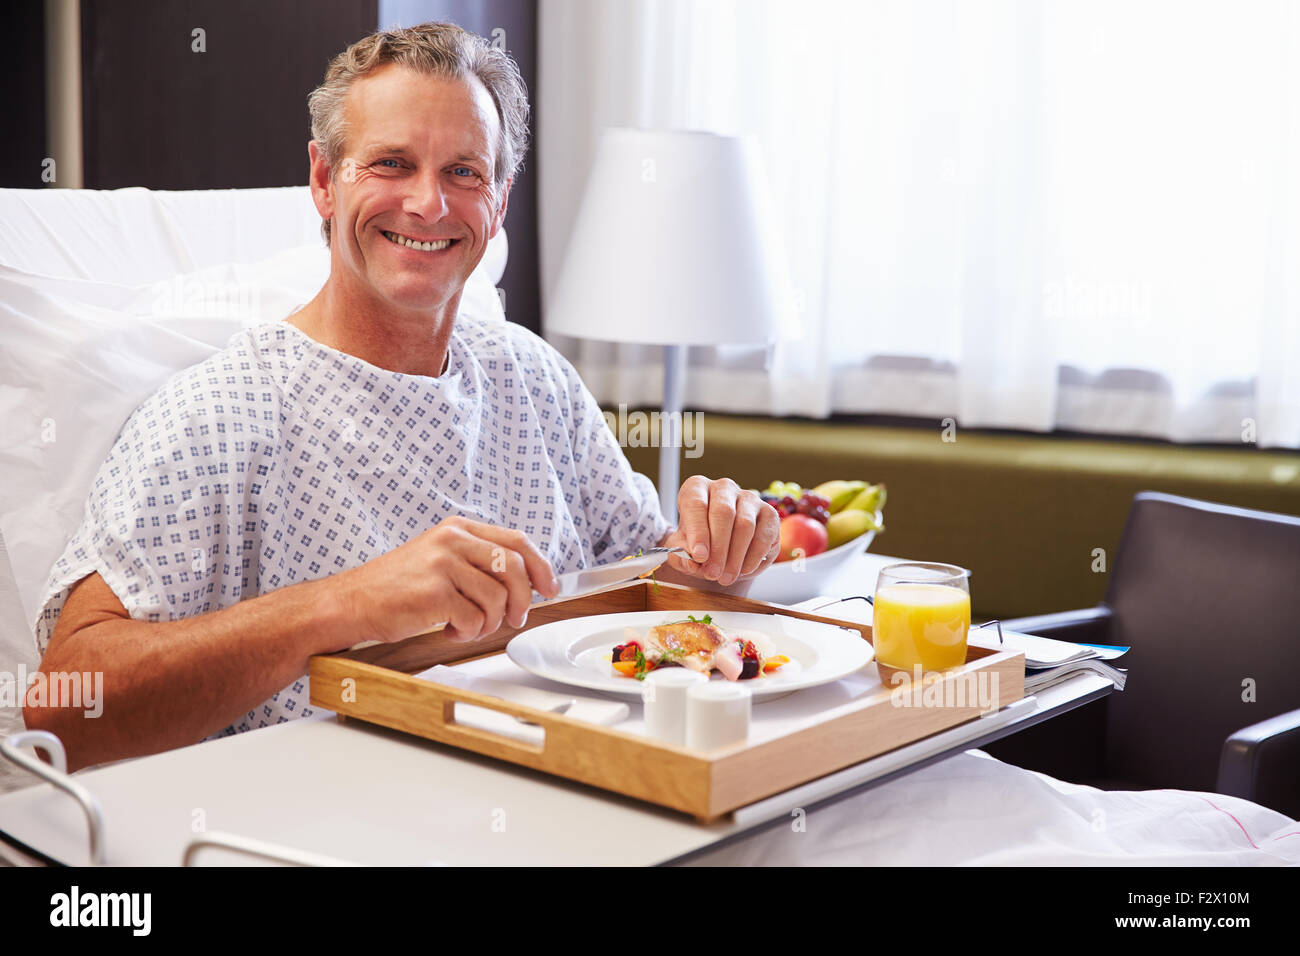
x,y
364,794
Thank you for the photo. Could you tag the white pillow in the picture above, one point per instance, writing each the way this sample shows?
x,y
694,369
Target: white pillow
x,y
136,236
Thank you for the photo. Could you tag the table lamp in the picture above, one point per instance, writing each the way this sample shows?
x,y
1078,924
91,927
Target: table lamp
x,y
674,244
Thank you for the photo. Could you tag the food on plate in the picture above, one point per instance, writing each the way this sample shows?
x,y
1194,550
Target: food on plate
x,y
802,536
699,645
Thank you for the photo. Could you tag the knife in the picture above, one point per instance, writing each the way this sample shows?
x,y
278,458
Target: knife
x,y
586,581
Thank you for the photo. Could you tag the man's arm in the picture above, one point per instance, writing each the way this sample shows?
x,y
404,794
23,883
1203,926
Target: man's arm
x,y
173,683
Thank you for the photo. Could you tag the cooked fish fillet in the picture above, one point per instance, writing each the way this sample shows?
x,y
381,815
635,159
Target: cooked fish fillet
x,y
695,645
689,643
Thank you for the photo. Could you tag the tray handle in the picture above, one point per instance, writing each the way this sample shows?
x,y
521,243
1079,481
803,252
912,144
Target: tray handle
x,y
437,712
445,717
11,750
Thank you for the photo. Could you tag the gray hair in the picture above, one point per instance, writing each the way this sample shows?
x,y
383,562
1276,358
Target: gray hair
x,y
439,49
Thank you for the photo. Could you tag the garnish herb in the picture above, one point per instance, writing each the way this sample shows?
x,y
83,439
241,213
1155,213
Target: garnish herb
x,y
639,553
690,619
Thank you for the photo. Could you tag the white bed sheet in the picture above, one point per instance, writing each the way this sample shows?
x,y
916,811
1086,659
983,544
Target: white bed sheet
x,y
975,810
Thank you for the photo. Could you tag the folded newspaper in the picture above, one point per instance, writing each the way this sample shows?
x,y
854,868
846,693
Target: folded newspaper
x,y
1049,661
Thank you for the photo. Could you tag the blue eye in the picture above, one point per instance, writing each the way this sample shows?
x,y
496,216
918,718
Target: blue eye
x,y
393,161
463,169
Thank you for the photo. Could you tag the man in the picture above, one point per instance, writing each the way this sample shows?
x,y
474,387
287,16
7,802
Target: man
x,y
378,463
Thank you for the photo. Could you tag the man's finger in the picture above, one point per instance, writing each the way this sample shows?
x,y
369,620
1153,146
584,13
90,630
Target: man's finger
x,y
488,596
515,578
541,576
722,516
505,564
742,537
767,537
693,516
464,618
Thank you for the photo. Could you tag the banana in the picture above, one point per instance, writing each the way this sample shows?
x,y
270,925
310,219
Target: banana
x,y
839,492
871,499
848,525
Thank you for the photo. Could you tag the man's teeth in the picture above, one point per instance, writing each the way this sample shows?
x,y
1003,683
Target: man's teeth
x,y
412,244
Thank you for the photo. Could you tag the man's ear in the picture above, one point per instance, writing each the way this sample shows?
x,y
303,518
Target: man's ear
x,y
318,177
501,210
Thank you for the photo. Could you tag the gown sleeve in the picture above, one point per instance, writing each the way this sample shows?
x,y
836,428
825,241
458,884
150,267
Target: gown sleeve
x,y
171,521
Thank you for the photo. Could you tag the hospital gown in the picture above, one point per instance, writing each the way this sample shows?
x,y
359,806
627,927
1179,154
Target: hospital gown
x,y
280,460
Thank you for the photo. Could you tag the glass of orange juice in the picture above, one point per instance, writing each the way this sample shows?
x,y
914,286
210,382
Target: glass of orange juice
x,y
922,617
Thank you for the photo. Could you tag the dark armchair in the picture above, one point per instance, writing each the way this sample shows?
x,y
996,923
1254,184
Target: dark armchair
x,y
1208,597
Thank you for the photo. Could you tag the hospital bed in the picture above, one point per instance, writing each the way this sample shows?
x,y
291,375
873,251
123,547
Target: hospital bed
x,y
105,294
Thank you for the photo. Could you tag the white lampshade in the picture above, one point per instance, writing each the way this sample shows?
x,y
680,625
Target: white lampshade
x,y
674,243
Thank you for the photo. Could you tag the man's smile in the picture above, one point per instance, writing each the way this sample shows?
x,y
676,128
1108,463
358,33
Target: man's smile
x,y
431,245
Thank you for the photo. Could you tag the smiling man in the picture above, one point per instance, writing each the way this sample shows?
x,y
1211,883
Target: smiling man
x,y
379,462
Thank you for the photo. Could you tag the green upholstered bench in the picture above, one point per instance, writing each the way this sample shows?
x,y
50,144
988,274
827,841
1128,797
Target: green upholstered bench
x,y
1037,519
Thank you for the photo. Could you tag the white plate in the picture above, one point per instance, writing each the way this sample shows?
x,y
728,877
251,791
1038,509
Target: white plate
x,y
577,651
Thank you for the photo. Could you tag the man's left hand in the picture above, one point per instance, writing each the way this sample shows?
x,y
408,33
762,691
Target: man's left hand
x,y
731,534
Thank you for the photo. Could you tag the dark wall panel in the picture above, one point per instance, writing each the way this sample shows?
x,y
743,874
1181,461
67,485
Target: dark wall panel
x,y
22,94
512,24
159,114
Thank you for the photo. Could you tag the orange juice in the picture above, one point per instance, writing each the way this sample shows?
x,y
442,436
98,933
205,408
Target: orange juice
x,y
922,624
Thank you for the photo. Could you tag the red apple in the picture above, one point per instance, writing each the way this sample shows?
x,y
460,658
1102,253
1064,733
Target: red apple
x,y
800,531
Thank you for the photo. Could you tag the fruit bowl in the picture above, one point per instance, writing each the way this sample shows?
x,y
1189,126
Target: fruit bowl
x,y
788,582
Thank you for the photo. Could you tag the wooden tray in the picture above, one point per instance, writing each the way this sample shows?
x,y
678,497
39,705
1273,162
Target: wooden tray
x,y
370,686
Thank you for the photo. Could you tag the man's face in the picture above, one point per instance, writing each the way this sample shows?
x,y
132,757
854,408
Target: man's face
x,y
417,165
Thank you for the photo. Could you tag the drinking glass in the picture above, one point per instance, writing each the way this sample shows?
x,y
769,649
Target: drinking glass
x,y
922,617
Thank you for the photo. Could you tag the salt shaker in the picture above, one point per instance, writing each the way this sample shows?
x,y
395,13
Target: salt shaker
x,y
664,696
717,714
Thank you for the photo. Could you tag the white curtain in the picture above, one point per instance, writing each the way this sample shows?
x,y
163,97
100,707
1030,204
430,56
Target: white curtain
x,y
1023,215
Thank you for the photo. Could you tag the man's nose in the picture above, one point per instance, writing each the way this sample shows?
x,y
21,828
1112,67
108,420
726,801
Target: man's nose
x,y
427,198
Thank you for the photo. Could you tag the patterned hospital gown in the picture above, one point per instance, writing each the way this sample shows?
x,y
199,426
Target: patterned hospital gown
x,y
280,460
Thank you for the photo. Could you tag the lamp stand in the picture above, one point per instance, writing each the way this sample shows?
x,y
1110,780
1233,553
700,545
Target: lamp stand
x,y
670,430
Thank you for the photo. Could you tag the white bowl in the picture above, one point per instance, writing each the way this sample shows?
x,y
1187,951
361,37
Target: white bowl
x,y
790,582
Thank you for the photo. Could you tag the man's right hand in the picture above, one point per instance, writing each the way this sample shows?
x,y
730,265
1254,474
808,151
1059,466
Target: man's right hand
x,y
467,574
171,683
